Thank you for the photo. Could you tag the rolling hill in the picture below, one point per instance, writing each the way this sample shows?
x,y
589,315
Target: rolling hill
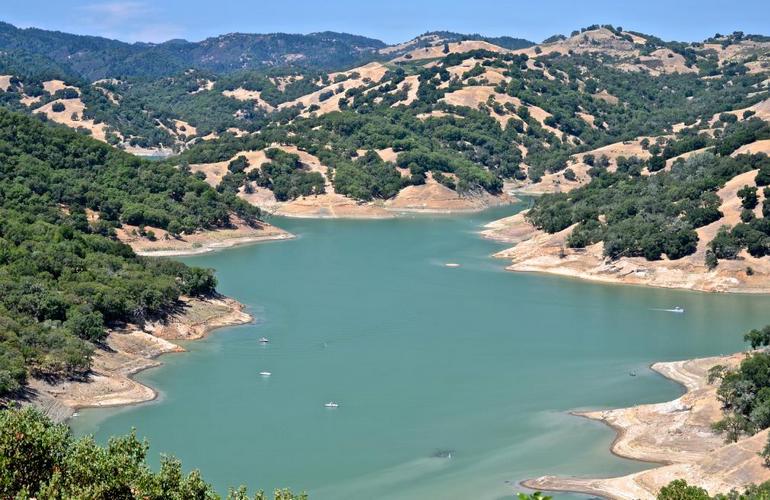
x,y
449,122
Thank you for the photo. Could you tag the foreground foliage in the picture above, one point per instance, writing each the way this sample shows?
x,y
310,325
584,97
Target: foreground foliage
x,y
40,459
680,490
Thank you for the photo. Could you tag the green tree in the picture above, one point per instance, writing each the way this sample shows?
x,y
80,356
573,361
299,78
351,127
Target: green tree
x,y
86,323
40,459
680,490
748,196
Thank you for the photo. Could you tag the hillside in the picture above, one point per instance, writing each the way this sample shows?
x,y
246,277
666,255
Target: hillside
x,y
691,214
67,203
443,122
677,436
458,117
92,58
53,53
193,102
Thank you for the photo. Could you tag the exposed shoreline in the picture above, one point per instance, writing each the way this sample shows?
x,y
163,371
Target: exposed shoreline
x,y
339,207
164,244
677,436
215,246
129,351
537,251
388,213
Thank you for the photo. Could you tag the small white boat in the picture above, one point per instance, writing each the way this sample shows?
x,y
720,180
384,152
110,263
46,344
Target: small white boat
x,y
265,374
264,340
452,264
331,404
677,309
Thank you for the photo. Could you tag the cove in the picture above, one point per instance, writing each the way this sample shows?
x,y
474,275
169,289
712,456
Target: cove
x,y
452,382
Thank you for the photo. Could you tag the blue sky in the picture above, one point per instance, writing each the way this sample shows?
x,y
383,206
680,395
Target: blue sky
x,y
392,21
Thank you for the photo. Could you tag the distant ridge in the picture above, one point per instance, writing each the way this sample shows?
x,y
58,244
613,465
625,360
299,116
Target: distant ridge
x,y
93,57
56,53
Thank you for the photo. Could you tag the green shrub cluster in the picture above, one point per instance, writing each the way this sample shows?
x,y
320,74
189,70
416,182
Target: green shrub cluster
x,y
40,459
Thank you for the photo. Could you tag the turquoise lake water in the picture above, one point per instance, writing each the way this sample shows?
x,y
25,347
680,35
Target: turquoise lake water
x,y
453,383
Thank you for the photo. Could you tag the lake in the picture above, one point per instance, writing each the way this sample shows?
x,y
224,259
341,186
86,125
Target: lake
x,y
452,383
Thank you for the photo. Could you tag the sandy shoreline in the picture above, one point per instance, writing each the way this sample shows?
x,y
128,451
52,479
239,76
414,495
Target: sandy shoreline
x,y
538,251
340,207
388,213
215,246
675,434
163,244
130,350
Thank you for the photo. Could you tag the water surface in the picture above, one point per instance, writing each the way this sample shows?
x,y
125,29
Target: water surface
x,y
452,382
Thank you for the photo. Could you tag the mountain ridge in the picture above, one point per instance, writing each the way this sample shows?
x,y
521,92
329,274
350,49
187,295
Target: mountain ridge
x,y
95,57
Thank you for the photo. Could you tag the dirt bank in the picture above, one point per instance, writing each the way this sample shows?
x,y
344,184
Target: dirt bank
x,y
676,434
538,251
163,244
130,350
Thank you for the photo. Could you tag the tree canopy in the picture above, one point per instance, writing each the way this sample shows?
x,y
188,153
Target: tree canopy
x,y
40,459
64,277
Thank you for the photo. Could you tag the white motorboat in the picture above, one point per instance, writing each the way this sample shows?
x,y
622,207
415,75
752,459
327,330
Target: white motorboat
x,y
331,404
264,340
265,374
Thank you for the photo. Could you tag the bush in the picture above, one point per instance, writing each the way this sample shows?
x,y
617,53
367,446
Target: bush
x,y
748,196
725,245
711,260
239,164
680,490
656,163
763,176
40,459
87,324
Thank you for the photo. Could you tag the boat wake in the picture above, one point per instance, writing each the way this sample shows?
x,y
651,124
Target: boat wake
x,y
678,310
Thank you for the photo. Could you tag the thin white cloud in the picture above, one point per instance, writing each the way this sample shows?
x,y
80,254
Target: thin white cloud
x,y
131,21
113,12
155,33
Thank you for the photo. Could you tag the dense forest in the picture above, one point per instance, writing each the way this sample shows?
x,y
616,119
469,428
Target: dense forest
x,y
92,57
63,275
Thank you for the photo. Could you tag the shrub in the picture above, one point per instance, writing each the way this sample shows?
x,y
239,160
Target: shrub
x,y
40,459
239,164
656,163
748,196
